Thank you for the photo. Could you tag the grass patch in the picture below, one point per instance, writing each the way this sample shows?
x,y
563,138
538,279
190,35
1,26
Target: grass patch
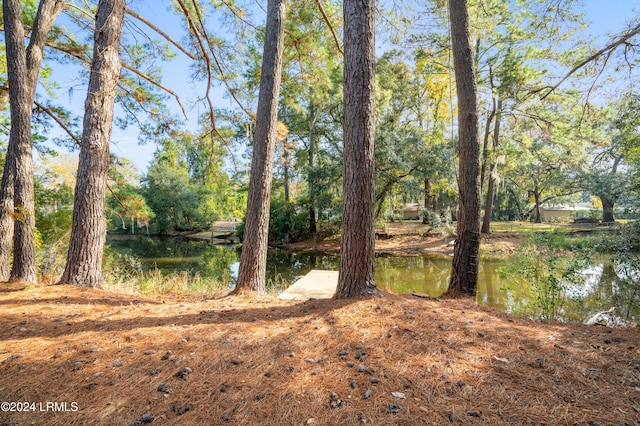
x,y
124,274
156,283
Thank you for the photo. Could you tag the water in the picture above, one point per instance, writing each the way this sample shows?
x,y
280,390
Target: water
x,y
419,274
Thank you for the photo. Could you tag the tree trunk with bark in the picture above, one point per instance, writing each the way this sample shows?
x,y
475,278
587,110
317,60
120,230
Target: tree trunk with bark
x,y
17,220
428,200
6,216
537,207
253,259
427,193
88,229
488,207
357,242
607,209
464,270
20,110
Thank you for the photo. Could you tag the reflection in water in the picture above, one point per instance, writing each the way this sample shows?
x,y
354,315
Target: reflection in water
x,y
420,274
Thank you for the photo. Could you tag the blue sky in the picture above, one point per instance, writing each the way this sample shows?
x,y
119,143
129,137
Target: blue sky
x,y
607,17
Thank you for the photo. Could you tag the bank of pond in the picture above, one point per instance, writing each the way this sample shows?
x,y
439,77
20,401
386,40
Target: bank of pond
x,y
554,289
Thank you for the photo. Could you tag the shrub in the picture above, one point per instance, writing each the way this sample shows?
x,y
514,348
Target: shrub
x,y
431,218
288,222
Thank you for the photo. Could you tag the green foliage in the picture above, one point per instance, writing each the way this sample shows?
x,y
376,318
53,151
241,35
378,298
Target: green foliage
x,y
185,187
623,244
548,270
627,122
626,297
125,205
431,218
621,239
178,205
288,222
120,267
53,214
555,239
544,276
413,159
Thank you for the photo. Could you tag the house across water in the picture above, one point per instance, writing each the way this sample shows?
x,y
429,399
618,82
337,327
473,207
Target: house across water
x,y
568,212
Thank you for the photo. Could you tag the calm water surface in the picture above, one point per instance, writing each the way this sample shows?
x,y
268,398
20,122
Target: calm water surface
x,y
421,274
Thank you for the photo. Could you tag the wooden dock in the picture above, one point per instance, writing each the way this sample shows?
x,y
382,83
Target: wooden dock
x,y
315,285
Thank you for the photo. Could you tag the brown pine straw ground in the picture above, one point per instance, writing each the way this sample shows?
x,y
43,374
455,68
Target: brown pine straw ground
x,y
262,361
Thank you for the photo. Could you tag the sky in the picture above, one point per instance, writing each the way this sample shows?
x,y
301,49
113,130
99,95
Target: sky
x,y
606,16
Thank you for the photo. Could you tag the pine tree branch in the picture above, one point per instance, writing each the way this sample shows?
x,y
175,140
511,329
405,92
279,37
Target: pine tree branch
x,y
607,50
157,84
218,63
333,32
238,17
162,33
59,121
196,34
128,67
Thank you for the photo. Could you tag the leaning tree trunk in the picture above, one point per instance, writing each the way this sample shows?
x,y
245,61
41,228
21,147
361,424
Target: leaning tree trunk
x,y
88,229
464,269
253,259
16,196
358,198
488,205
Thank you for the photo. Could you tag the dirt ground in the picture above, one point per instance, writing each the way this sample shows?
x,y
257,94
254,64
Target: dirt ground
x,y
412,239
75,356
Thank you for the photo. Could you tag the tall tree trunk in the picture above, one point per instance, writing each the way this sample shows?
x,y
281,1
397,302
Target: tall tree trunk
x,y
285,166
609,200
6,215
607,209
16,196
427,193
488,205
488,208
253,260
358,199
427,199
88,229
20,109
464,269
313,227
